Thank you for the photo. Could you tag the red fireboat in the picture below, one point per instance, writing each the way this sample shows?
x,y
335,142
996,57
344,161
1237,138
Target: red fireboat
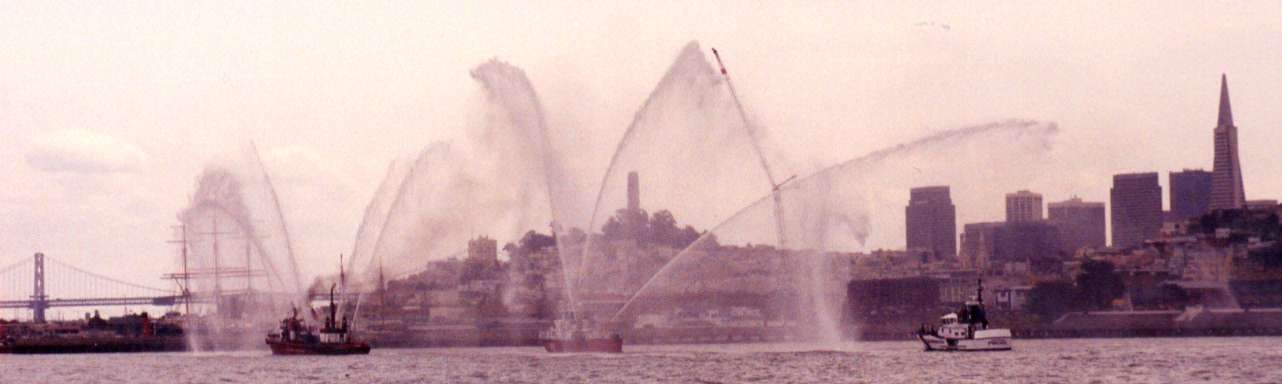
x,y
573,336
296,338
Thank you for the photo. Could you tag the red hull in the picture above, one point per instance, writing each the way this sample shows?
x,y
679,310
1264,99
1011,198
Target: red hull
x,y
289,348
611,345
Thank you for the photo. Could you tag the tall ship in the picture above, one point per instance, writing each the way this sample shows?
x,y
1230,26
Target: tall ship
x,y
572,335
295,337
966,330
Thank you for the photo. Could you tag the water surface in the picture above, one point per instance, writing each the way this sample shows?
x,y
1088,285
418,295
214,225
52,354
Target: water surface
x,y
1235,360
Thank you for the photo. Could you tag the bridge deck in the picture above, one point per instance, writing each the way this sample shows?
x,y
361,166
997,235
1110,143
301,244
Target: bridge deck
x,y
160,301
95,302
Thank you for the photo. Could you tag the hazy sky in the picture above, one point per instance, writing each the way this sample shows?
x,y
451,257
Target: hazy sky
x,y
109,110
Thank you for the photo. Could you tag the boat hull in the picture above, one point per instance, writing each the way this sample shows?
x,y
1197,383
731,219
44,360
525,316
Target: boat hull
x,y
992,343
292,348
610,345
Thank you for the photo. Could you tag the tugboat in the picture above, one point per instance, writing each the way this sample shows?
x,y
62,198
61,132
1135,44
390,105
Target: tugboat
x,y
966,330
297,338
569,334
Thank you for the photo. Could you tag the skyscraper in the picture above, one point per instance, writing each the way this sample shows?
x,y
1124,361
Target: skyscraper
x,y
1190,193
1080,224
1023,206
1026,241
1136,202
988,245
978,243
1226,175
932,221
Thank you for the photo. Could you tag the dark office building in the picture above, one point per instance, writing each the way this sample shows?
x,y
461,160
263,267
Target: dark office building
x,y
1136,205
1190,193
988,244
1026,242
932,221
1080,223
977,243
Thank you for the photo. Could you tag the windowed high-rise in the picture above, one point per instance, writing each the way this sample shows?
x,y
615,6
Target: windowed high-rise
x,y
1226,174
932,221
1023,206
1080,223
1136,203
1190,193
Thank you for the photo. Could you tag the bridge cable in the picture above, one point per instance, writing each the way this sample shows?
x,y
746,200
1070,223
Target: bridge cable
x,y
108,279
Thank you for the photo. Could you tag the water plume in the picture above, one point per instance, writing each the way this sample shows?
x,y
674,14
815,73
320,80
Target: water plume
x,y
376,215
502,180
695,155
239,247
833,212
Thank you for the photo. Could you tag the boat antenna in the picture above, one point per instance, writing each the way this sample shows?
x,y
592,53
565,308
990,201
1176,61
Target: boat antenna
x,y
342,279
333,309
979,296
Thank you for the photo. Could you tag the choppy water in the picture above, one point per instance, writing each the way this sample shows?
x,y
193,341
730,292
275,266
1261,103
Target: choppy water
x,y
1230,360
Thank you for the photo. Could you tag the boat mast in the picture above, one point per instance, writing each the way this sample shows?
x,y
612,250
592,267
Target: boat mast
x,y
185,284
218,283
249,266
342,281
382,294
979,296
333,309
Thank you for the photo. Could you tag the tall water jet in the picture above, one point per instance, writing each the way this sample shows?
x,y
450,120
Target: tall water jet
x,y
502,180
372,222
832,213
240,257
689,144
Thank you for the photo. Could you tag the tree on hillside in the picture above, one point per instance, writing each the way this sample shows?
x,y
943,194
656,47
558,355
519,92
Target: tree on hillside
x,y
1099,285
627,224
1269,257
533,241
663,227
1049,300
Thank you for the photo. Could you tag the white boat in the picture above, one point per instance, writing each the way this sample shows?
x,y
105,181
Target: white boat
x,y
966,330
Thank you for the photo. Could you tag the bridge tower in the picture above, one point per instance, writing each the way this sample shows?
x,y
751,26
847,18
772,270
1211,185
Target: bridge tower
x,y
39,300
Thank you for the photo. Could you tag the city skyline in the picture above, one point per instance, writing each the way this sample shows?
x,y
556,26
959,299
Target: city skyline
x,y
98,108
717,191
1191,192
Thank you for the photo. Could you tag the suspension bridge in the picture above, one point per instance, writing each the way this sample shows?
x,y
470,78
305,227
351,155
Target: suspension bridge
x,y
42,282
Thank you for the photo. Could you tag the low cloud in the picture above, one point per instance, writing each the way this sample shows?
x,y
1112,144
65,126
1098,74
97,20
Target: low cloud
x,y
79,151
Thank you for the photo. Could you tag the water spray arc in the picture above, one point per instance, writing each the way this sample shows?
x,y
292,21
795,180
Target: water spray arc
x,y
505,171
707,138
756,146
824,187
235,196
812,258
280,216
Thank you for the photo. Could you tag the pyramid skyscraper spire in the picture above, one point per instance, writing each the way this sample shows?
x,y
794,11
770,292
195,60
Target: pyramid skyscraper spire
x,y
1226,111
1226,174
